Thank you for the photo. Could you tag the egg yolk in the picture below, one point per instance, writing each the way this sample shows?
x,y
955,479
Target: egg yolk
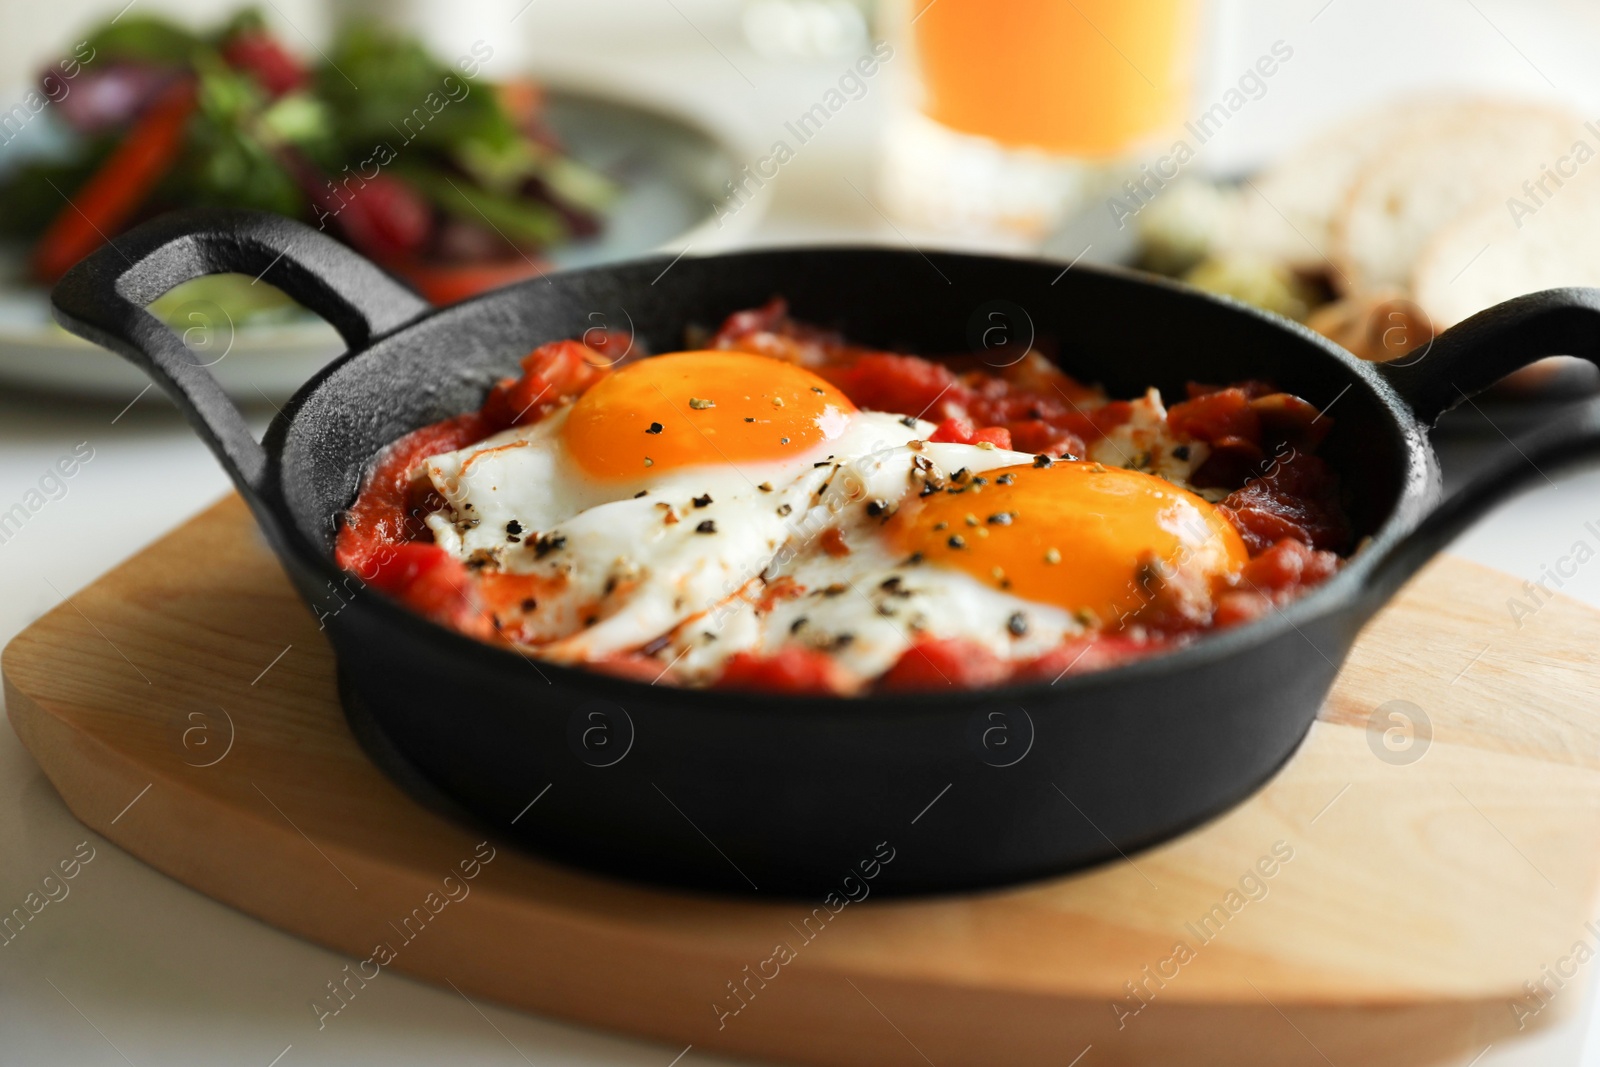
x,y
1081,536
695,408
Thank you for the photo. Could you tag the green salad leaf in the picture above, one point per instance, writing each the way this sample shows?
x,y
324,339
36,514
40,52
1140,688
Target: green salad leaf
x,y
297,118
524,222
268,132
226,162
504,167
406,98
139,38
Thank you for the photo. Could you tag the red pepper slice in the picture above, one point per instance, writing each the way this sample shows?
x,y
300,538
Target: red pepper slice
x,y
447,283
109,199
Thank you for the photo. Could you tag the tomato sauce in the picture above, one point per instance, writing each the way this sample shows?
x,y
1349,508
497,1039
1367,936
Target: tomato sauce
x,y
1282,498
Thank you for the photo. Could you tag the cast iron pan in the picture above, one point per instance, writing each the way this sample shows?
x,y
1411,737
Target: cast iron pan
x,y
789,795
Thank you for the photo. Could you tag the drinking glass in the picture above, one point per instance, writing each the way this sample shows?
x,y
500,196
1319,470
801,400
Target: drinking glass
x,y
1011,113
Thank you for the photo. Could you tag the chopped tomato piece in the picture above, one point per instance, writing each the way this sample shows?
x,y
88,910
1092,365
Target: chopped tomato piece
x,y
1040,408
959,431
1298,497
956,431
382,513
1038,436
552,374
882,381
1251,387
943,663
1233,461
1273,577
1287,419
1238,606
1216,416
741,324
1094,423
1036,376
769,331
432,582
789,670
1287,564
614,345
1089,653
1227,421
998,436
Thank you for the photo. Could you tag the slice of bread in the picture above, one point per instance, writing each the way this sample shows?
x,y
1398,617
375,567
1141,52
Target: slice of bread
x,y
1508,245
1418,185
1289,214
1378,326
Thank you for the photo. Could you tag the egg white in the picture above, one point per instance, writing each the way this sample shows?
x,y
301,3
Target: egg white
x,y
629,555
867,607
631,569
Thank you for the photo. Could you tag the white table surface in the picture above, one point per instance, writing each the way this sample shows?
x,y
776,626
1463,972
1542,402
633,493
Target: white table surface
x,y
133,967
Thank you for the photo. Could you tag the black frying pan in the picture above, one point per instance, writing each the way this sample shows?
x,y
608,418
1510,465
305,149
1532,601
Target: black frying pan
x,y
789,795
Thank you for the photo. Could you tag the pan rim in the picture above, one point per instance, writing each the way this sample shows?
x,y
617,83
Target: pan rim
x,y
1418,493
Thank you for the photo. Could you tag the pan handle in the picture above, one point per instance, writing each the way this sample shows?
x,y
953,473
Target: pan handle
x,y
103,300
1467,359
1571,441
1475,354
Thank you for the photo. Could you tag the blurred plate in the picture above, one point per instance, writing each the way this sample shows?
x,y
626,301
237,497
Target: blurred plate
x,y
1523,402
672,168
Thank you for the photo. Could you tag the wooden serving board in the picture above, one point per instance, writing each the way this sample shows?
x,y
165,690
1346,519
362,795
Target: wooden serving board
x,y
184,706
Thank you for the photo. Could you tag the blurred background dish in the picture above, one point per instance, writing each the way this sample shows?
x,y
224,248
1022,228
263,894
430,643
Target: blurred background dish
x,y
669,168
455,184
996,133
1364,236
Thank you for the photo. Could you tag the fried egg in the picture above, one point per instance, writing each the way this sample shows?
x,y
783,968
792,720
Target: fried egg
x,y
694,505
662,491
1013,556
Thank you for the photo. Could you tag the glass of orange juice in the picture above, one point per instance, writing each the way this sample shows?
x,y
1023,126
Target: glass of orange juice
x,y
1013,112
